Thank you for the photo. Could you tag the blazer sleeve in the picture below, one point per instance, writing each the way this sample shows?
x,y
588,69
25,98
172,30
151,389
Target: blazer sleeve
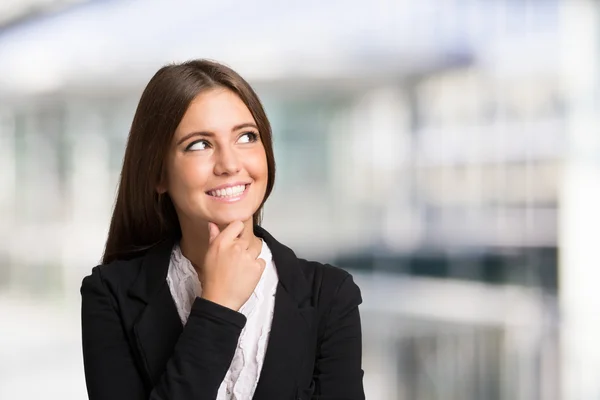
x,y
338,367
196,369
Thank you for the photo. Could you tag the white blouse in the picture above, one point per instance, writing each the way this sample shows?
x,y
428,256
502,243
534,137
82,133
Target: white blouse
x,y
242,377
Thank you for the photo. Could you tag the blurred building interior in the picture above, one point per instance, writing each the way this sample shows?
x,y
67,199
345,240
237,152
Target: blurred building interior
x,y
447,152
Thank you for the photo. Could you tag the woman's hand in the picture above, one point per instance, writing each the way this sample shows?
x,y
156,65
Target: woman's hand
x,y
231,269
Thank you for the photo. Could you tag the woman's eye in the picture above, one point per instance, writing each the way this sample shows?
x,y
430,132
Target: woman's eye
x,y
248,137
197,145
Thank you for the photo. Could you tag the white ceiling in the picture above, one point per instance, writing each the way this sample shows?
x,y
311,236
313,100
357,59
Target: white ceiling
x,y
263,39
11,10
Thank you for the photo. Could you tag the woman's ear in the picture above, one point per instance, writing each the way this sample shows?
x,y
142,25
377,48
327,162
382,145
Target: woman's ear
x,y
161,187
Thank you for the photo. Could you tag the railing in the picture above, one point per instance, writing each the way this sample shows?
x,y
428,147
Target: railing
x,y
428,339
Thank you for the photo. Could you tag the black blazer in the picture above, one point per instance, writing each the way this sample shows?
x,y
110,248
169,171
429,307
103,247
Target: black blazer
x,y
135,346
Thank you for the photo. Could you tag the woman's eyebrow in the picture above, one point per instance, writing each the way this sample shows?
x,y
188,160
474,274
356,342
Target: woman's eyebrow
x,y
244,125
192,134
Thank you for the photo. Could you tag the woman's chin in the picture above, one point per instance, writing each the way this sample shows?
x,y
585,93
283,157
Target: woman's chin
x,y
225,220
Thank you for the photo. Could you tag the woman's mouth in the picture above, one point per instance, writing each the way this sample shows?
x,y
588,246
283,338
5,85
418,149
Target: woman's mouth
x,y
229,194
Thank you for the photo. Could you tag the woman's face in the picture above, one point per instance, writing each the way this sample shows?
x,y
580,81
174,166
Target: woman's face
x,y
217,166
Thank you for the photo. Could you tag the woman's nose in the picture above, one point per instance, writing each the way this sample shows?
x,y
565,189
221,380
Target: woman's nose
x,y
227,162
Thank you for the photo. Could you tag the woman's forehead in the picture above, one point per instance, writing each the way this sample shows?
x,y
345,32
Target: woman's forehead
x,y
217,111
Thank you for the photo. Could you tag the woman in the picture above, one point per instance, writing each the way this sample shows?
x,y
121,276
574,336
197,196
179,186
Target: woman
x,y
194,300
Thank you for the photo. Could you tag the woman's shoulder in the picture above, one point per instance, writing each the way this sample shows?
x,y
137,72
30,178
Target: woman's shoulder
x,y
318,270
117,273
330,282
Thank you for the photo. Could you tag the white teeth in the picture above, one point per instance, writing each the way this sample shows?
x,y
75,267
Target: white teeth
x,y
228,192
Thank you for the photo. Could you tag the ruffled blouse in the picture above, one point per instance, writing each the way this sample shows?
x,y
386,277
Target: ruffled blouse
x,y
242,376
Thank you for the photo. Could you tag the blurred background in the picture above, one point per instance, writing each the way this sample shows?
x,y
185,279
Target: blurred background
x,y
445,152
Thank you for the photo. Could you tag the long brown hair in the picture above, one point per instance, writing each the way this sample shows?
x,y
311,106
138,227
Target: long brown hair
x,y
142,217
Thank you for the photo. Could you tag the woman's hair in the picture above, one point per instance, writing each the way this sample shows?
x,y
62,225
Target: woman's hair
x,y
142,217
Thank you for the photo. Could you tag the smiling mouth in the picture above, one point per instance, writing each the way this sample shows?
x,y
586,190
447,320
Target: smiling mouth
x,y
230,192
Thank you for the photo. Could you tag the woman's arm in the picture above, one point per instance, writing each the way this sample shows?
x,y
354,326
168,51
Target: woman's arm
x,y
195,371
338,368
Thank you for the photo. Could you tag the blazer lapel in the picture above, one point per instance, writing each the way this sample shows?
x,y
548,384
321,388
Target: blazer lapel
x,y
291,327
158,327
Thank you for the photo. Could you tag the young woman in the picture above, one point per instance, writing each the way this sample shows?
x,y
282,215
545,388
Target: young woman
x,y
194,300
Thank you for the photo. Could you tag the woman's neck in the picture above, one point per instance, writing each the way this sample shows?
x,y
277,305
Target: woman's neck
x,y
195,237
